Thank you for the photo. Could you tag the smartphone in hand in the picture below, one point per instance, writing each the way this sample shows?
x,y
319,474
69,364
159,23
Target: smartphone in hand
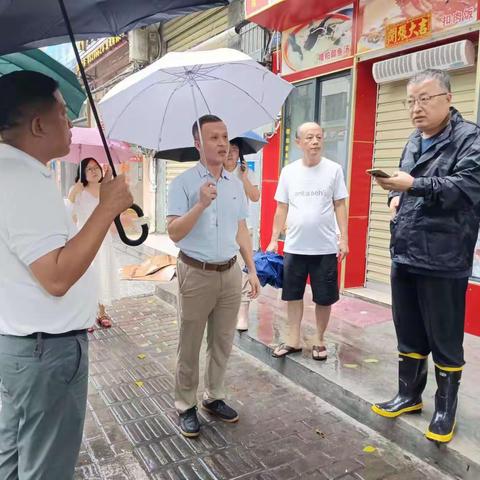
x,y
376,172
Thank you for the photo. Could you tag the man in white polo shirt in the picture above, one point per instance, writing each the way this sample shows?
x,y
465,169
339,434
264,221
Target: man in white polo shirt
x,y
47,299
311,195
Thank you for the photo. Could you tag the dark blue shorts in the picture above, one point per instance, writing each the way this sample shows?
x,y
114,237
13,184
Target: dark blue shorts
x,y
323,271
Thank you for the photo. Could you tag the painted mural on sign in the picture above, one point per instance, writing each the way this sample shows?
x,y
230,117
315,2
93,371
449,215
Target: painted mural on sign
x,y
324,40
410,17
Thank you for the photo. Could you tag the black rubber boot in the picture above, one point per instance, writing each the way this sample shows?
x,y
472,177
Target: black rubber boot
x,y
412,378
442,426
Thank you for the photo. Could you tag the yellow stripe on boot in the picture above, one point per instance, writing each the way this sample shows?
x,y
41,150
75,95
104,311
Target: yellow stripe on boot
x,y
388,414
440,438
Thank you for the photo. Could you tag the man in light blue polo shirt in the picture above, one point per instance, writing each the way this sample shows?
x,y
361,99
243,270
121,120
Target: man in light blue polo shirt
x,y
207,209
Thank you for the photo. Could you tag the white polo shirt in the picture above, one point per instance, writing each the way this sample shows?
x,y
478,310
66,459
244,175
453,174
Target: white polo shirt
x,y
34,222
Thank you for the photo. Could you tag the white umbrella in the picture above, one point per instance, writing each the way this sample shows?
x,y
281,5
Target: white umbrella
x,y
157,106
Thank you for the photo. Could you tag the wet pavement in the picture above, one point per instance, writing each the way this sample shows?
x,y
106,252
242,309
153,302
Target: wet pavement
x,y
362,361
284,431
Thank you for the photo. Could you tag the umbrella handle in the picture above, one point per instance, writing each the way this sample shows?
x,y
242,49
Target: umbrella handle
x,y
121,231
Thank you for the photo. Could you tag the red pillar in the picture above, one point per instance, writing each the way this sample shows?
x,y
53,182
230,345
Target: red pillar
x,y
360,183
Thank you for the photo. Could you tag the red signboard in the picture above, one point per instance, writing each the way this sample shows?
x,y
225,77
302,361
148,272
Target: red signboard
x,y
254,6
408,30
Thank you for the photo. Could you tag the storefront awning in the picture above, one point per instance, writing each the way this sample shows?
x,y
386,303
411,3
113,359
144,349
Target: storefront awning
x,y
280,15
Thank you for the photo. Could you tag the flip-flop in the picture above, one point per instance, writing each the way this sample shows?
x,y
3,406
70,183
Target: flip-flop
x,y
288,350
321,352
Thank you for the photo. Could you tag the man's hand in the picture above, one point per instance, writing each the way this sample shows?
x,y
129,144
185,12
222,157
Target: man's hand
x,y
254,286
115,196
273,246
208,193
394,202
342,249
399,182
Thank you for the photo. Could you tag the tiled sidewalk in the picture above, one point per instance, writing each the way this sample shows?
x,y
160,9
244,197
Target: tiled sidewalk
x,y
284,432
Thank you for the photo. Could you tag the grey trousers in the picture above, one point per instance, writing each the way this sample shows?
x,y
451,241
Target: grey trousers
x,y
43,396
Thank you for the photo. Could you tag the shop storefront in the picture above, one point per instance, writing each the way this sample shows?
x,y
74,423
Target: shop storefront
x,y
350,62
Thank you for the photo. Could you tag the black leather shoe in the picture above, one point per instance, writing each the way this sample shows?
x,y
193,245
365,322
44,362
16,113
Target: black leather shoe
x,y
442,426
412,378
221,410
189,424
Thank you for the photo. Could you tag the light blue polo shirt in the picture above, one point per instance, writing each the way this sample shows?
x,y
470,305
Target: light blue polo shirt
x,y
213,237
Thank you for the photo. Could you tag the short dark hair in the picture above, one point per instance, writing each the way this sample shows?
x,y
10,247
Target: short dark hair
x,y
81,171
202,121
22,91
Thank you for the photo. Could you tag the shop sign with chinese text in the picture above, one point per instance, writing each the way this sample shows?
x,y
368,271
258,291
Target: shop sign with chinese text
x,y
323,40
391,23
408,30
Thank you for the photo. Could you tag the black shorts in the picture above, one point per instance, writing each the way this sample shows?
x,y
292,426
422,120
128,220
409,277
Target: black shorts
x,y
323,271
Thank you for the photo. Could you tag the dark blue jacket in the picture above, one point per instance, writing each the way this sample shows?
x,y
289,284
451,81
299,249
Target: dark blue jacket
x,y
436,225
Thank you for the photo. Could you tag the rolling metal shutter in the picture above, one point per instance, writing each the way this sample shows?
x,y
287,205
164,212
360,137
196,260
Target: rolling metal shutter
x,y
183,33
393,127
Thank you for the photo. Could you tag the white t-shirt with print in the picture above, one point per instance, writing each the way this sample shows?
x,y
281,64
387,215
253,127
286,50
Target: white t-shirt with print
x,y
310,193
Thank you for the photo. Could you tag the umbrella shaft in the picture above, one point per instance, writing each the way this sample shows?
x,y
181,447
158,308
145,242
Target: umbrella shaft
x,y
87,87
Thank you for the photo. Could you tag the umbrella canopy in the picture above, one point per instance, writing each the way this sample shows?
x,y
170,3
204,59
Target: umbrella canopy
x,y
250,142
269,266
86,142
39,61
26,24
157,106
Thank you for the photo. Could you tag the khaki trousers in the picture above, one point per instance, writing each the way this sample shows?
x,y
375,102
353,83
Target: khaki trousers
x,y
212,299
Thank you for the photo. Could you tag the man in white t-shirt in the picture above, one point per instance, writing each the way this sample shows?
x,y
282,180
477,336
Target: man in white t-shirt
x,y
46,295
311,194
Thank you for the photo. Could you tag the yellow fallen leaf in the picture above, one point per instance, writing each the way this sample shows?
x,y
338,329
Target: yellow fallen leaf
x,y
139,383
371,360
141,356
369,449
350,365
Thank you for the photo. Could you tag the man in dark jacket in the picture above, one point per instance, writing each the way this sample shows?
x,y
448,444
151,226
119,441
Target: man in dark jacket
x,y
435,198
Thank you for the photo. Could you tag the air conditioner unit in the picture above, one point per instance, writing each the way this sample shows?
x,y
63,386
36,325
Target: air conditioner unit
x,y
138,45
446,57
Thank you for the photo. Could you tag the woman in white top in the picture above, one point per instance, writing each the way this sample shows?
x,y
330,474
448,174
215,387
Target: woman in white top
x,y
236,164
84,197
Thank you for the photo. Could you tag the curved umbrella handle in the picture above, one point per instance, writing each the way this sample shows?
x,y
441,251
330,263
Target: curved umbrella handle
x,y
123,235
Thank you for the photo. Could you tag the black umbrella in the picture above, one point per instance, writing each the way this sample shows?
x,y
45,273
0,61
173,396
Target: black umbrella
x,y
26,24
248,143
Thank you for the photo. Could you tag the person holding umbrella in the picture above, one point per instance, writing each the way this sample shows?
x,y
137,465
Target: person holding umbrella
x,y
47,297
207,209
237,165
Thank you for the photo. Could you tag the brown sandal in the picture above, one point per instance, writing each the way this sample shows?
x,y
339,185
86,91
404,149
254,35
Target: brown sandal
x,y
321,352
288,350
104,321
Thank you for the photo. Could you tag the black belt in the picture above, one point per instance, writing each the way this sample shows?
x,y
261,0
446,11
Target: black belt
x,y
72,333
221,267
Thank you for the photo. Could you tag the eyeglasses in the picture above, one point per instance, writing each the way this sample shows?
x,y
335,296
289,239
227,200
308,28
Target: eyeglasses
x,y
422,100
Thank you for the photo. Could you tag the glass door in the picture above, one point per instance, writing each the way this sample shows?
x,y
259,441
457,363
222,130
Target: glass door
x,y
325,100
